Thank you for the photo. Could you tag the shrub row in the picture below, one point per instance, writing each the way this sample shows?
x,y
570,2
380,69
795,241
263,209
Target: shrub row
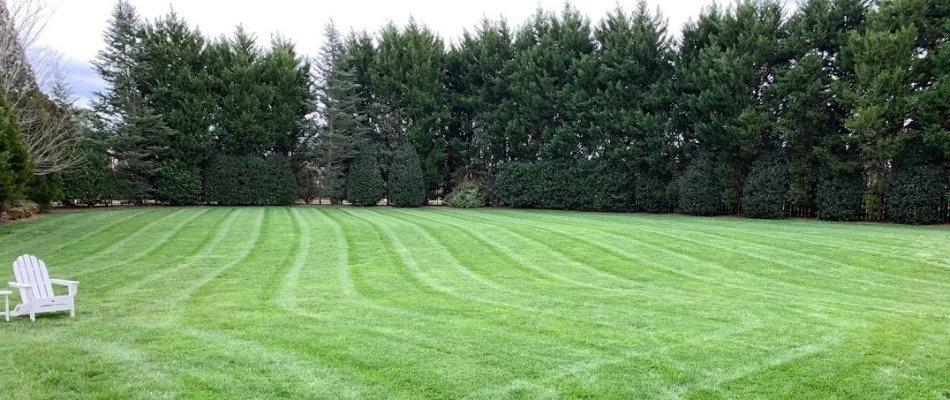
x,y
916,195
244,181
568,185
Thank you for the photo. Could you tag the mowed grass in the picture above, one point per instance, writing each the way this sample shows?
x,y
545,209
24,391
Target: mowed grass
x,y
491,304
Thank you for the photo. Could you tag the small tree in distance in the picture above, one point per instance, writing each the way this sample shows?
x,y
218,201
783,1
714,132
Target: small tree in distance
x,y
406,184
699,189
365,185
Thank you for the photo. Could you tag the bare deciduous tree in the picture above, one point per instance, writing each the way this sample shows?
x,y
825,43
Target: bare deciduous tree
x,y
48,127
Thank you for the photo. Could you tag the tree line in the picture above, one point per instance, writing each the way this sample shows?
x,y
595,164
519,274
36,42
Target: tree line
x,y
840,107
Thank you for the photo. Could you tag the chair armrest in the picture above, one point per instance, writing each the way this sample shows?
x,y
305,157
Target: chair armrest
x,y
27,293
71,285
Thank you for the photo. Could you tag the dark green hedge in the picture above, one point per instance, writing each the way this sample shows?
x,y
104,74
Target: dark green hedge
x,y
766,188
178,184
248,180
406,185
840,195
91,182
916,195
567,185
44,190
364,184
651,193
699,187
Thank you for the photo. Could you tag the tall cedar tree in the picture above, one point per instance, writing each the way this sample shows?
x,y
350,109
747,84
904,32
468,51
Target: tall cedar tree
x,y
410,76
727,59
406,184
895,79
176,83
365,185
807,112
477,85
548,49
263,96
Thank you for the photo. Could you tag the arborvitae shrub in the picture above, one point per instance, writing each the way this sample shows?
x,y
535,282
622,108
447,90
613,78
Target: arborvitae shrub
x,y
840,195
249,180
651,193
15,166
915,194
406,185
699,192
467,194
519,185
179,184
91,182
44,190
766,188
365,185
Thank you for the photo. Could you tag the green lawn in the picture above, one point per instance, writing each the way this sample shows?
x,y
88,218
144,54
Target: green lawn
x,y
438,303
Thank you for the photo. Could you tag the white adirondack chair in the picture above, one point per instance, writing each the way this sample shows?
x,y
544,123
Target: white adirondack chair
x,y
36,289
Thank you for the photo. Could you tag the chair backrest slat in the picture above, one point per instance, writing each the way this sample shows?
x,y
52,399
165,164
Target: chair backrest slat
x,y
32,271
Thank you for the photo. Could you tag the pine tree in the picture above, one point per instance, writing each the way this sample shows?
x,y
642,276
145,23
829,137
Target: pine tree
x,y
365,185
343,128
137,136
406,184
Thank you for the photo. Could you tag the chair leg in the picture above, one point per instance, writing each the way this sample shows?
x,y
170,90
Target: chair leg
x,y
32,315
72,312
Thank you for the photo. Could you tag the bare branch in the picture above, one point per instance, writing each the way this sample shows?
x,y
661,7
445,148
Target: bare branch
x,y
49,128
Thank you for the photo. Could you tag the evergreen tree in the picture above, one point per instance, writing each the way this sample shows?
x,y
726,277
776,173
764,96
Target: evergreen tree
x,y
173,77
137,136
917,189
343,128
15,165
91,181
406,184
727,61
808,113
840,194
766,188
286,78
477,86
699,192
548,53
410,78
891,96
365,185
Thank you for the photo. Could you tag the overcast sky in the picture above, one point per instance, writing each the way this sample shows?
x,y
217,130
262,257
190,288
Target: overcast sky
x,y
75,28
